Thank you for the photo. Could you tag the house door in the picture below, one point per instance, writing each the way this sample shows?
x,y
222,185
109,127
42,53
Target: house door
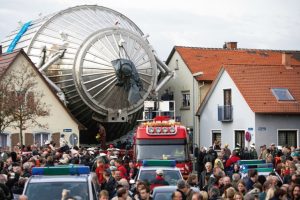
x,y
239,138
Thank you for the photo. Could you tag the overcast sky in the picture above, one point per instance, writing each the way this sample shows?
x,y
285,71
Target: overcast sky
x,y
260,24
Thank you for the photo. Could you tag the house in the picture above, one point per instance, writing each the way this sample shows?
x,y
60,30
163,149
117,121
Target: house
x,y
197,67
59,120
249,103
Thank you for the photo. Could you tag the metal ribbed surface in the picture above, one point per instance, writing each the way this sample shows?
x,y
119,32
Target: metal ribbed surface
x,y
91,35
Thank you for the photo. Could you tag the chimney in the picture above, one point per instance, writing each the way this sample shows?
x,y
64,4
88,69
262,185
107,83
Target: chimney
x,y
230,45
286,60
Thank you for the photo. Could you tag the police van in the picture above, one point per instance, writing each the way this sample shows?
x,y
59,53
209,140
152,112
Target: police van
x,y
56,183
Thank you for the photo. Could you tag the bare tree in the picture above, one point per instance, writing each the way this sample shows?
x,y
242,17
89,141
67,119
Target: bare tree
x,y
6,103
27,105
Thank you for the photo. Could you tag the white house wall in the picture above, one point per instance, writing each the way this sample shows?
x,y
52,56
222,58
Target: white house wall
x,y
243,117
58,120
267,127
183,81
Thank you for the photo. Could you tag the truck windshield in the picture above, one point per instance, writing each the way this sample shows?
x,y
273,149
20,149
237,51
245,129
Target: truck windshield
x,y
163,152
53,190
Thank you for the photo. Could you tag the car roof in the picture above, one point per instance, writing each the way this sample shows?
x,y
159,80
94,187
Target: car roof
x,y
159,167
58,178
169,188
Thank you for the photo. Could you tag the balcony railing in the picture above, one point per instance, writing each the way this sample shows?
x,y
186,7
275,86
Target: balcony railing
x,y
225,113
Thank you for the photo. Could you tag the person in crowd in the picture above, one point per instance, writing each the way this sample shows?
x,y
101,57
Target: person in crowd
x,y
197,196
139,185
189,192
200,163
241,187
253,152
192,180
214,193
273,150
226,184
204,177
132,170
238,196
182,188
215,180
295,192
124,183
210,156
63,143
204,195
266,186
263,152
103,195
122,194
236,169
227,151
159,179
176,195
232,160
253,175
145,194
235,180
100,170
109,183
217,145
218,162
229,193
121,168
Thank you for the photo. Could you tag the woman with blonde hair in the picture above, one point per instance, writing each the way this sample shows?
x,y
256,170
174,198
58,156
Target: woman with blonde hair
x,y
229,193
238,196
204,195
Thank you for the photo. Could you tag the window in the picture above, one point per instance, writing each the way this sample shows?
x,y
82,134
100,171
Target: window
x,y
3,140
287,138
216,136
227,97
41,138
282,94
239,138
186,99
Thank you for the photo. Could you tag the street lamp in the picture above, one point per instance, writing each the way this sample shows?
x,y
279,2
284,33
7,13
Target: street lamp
x,y
195,75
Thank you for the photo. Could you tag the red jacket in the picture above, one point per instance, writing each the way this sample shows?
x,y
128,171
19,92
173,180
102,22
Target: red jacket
x,y
99,171
123,171
232,160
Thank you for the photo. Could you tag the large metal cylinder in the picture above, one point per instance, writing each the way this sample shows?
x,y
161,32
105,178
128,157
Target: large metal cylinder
x,y
97,57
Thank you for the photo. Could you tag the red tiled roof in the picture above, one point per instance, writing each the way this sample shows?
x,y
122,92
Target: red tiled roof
x,y
6,59
256,81
210,60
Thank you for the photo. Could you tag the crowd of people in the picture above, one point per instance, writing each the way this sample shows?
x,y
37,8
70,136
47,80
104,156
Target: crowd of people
x,y
218,173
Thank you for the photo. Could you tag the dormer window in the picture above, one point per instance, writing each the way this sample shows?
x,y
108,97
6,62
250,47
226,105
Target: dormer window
x,y
282,94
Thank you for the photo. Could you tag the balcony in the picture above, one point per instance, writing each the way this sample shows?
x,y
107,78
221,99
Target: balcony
x,y
225,113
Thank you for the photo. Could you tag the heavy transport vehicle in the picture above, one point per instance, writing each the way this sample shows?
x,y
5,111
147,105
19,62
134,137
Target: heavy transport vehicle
x,y
162,139
98,61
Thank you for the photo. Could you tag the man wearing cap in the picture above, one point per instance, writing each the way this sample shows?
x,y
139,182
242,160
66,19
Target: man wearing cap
x,y
263,152
159,179
253,153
